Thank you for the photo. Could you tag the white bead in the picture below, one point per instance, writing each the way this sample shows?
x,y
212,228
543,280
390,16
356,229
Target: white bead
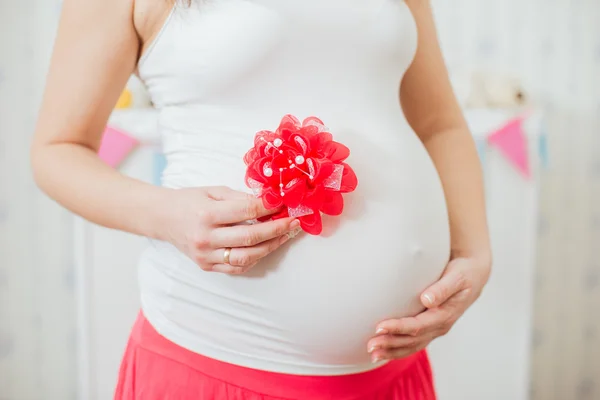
x,y
280,169
282,194
310,176
281,185
299,159
280,151
277,142
268,172
293,166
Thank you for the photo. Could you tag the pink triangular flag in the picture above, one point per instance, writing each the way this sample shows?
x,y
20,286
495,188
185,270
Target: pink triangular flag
x,y
115,146
510,139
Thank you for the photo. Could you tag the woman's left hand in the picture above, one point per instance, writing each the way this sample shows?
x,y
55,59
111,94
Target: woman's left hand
x,y
445,302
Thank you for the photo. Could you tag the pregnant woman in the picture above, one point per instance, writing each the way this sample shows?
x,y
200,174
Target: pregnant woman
x,y
233,308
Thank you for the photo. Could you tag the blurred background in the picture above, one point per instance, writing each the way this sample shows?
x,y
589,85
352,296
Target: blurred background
x,y
527,73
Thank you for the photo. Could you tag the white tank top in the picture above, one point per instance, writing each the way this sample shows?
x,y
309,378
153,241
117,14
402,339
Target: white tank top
x,y
223,70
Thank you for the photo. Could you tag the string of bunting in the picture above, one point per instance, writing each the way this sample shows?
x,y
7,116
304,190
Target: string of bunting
x,y
509,139
512,142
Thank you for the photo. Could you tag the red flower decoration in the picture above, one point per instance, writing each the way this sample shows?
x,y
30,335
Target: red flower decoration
x,y
299,166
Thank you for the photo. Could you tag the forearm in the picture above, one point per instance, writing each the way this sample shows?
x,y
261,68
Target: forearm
x,y
455,157
75,177
94,54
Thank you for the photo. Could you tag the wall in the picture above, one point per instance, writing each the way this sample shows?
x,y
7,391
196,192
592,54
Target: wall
x,y
37,320
553,45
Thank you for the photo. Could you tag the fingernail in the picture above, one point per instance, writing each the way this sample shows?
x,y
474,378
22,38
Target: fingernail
x,y
381,331
376,359
372,349
284,239
293,234
429,298
294,225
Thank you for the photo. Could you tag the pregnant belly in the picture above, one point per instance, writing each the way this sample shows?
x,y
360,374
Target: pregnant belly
x,y
311,306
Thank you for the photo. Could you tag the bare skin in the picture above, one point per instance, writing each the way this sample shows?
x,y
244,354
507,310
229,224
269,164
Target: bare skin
x,y
97,49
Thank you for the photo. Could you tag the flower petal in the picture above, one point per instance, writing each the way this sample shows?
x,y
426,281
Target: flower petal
x,y
318,141
300,143
349,179
264,136
294,192
309,131
334,181
290,119
312,223
271,199
299,211
254,172
262,140
312,121
314,199
323,170
282,214
335,151
333,204
316,122
251,156
289,124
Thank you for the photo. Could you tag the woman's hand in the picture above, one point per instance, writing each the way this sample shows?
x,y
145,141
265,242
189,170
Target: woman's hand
x,y
445,302
204,222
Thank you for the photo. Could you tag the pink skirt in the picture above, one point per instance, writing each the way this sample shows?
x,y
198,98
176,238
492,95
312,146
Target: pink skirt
x,y
153,368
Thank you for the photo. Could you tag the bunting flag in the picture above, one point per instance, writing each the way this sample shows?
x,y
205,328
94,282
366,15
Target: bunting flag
x,y
116,146
511,141
125,100
159,164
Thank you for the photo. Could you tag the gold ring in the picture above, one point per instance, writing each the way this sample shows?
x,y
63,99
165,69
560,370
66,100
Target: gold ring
x,y
226,255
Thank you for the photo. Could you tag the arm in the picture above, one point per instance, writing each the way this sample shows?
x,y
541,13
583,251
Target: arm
x,y
94,55
434,114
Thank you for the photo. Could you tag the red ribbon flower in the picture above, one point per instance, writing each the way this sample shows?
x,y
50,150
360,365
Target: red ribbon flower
x,y
299,166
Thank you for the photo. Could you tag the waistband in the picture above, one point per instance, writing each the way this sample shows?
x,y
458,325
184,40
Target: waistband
x,y
272,383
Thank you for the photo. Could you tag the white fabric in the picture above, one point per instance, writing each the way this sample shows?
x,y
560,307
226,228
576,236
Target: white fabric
x,y
225,69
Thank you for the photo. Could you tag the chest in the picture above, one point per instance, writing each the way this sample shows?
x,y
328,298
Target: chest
x,y
225,47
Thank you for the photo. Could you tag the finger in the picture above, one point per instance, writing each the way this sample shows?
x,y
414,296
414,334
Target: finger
x,y
225,193
247,256
451,283
431,320
403,326
386,342
395,354
237,211
229,269
252,235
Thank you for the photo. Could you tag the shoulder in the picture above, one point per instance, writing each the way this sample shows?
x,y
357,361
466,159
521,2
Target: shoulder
x,y
417,3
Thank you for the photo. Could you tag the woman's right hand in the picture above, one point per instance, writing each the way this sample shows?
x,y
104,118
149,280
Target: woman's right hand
x,y
204,222
95,53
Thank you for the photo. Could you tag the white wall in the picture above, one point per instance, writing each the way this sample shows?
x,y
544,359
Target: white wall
x,y
37,320
552,44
